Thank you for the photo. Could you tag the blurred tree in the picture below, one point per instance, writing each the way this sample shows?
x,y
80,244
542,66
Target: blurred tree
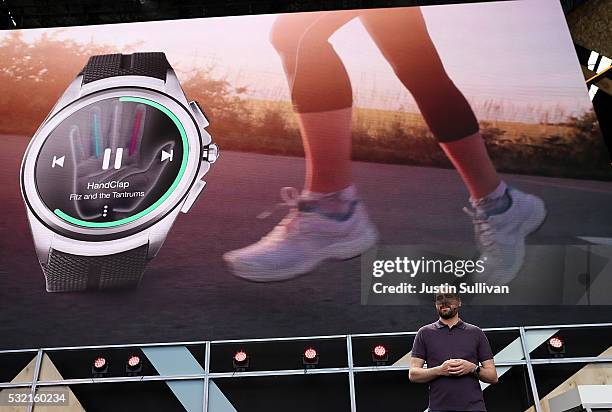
x,y
224,104
34,75
588,147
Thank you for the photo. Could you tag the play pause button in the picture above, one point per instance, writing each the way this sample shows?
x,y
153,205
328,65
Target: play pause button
x,y
59,161
165,155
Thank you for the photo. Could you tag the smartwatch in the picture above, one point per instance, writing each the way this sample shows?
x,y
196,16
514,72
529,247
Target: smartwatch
x,y
106,174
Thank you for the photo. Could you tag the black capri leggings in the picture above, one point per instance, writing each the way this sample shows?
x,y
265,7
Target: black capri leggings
x,y
318,80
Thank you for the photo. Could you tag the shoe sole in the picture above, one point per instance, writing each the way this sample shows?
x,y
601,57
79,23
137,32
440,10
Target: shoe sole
x,y
337,251
538,220
529,227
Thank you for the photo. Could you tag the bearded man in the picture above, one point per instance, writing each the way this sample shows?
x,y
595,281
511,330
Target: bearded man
x,y
458,355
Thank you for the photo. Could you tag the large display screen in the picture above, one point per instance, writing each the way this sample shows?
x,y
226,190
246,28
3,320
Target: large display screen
x,y
111,162
369,158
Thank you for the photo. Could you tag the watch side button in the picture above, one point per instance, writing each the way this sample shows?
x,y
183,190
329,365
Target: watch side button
x,y
193,195
199,114
211,153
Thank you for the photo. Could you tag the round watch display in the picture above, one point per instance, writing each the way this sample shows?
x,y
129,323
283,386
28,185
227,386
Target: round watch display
x,y
111,162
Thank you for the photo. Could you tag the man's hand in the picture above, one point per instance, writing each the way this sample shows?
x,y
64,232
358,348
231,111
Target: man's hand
x,y
446,368
459,367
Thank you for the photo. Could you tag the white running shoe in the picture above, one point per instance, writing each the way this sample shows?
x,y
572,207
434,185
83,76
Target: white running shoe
x,y
501,238
302,240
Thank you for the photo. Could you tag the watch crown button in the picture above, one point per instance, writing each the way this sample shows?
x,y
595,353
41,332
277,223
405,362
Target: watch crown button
x,y
211,153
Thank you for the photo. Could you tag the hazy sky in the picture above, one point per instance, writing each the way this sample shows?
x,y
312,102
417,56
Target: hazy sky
x,y
517,53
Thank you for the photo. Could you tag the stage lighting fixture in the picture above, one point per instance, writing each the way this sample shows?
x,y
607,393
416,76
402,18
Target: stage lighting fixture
x,y
556,347
133,366
99,368
310,358
240,361
380,355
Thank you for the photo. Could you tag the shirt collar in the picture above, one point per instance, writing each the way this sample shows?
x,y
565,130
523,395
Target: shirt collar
x,y
441,325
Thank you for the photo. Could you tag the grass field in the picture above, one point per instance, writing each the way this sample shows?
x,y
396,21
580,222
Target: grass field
x,y
571,149
374,122
377,121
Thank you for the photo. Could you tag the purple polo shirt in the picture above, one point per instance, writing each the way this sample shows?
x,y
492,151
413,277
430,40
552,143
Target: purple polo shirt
x,y
436,343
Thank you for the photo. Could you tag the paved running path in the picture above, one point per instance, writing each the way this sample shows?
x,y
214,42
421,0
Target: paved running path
x,y
187,294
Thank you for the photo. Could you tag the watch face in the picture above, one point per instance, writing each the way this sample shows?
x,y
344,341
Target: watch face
x,y
111,162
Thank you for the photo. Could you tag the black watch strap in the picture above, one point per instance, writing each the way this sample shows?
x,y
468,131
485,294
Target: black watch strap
x,y
65,272
152,64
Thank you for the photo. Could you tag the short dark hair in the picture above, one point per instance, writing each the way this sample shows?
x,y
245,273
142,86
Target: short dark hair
x,y
448,295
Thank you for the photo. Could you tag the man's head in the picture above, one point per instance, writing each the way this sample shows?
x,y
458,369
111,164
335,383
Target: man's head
x,y
447,304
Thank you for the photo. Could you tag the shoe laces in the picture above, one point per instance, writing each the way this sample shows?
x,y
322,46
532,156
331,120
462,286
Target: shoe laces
x,y
290,197
293,222
485,233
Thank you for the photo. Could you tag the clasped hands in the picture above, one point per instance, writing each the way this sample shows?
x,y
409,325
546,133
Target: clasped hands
x,y
456,367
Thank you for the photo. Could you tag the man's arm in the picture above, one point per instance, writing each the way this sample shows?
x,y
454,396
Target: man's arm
x,y
488,372
418,374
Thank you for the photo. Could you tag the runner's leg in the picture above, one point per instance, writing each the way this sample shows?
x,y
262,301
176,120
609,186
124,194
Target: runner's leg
x,y
403,39
321,94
